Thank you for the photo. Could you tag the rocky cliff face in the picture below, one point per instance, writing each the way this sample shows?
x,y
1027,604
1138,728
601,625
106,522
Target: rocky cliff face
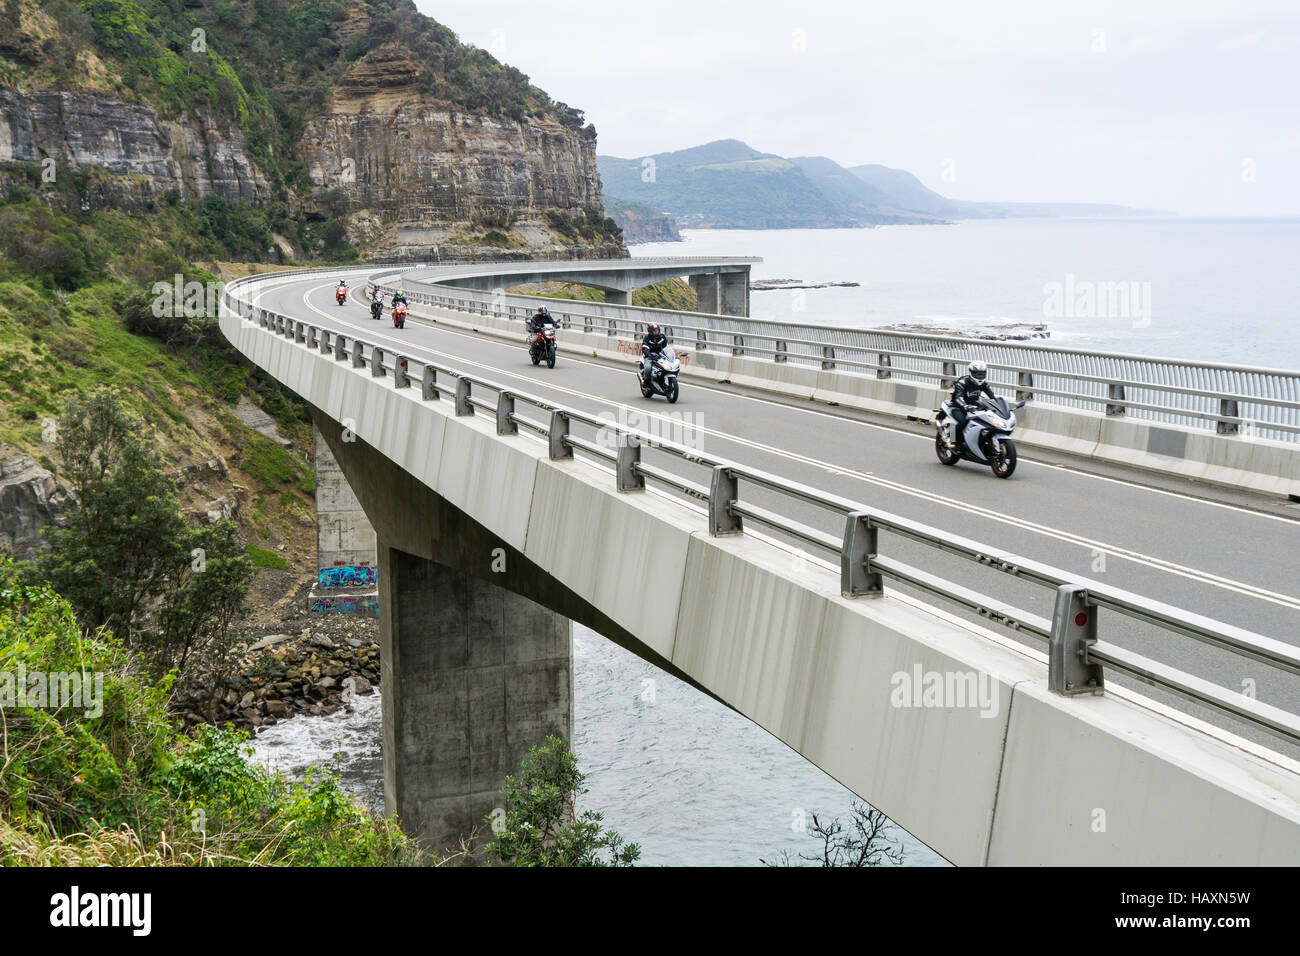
x,y
30,499
413,178
142,155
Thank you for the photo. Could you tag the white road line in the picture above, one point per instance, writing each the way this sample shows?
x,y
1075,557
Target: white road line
x,y
1094,546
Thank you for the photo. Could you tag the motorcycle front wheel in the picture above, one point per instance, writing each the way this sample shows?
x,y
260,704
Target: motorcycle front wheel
x,y
672,394
1005,463
535,357
550,358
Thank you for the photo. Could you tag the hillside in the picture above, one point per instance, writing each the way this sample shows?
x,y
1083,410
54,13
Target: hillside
x,y
640,223
728,184
351,124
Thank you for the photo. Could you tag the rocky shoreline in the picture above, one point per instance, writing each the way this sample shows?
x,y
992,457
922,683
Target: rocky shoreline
x,y
313,672
991,332
768,285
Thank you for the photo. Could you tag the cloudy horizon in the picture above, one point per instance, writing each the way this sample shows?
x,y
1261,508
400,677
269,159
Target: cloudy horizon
x,y
1190,110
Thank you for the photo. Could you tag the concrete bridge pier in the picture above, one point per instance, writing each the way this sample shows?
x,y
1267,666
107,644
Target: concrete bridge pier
x,y
473,676
618,297
722,293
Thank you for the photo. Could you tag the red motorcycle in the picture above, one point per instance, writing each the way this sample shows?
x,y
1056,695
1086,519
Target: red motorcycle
x,y
541,343
341,294
399,315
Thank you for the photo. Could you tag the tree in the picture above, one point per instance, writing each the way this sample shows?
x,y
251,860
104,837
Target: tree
x,y
112,559
205,595
541,826
127,560
865,841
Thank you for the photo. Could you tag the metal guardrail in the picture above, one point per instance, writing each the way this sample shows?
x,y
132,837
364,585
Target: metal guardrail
x,y
1076,657
1230,399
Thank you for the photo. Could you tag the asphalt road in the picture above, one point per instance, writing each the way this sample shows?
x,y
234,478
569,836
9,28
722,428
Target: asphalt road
x,y
1227,555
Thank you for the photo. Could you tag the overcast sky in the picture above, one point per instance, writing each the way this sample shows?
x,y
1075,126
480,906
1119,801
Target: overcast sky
x,y
1186,105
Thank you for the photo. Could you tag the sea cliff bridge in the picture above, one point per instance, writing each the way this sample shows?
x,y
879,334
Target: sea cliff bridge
x,y
1105,645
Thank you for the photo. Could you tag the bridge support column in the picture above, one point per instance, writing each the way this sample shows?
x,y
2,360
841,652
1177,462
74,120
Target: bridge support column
x,y
616,297
722,293
735,293
346,561
473,676
706,289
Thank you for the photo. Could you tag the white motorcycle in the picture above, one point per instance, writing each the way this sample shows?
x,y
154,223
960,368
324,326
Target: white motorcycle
x,y
985,439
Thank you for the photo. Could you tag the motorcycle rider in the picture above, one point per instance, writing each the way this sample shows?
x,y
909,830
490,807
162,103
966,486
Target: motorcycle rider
x,y
965,397
399,296
651,346
535,322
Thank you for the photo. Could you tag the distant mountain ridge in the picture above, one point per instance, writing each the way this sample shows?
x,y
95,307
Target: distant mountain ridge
x,y
729,184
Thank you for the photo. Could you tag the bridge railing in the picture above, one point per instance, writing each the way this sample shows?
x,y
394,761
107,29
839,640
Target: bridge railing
x,y
1230,399
1077,657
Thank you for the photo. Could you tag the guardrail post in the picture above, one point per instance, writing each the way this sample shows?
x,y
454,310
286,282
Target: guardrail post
x,y
828,357
781,350
300,332
1074,629
737,345
1115,392
860,539
949,376
401,375
463,406
1227,408
377,362
1025,381
429,385
506,408
340,347
724,489
326,345
313,339
586,323
629,456
886,366
358,353
557,434
701,341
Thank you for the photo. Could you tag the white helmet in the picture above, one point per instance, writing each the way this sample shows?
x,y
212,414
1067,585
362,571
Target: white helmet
x,y
978,371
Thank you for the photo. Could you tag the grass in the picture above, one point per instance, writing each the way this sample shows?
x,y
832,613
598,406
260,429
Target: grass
x,y
266,559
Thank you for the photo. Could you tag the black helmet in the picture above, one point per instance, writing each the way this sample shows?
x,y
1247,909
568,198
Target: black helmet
x,y
978,371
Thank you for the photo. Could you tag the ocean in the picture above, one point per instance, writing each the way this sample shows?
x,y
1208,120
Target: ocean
x,y
1223,290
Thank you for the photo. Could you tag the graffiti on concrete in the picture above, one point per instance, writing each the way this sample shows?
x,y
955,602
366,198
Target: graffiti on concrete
x,y
366,604
348,576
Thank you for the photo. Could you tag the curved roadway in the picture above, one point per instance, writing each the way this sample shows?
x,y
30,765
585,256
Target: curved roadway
x,y
1226,555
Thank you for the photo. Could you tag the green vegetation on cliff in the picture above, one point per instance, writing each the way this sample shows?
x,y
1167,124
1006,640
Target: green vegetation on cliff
x,y
674,294
106,779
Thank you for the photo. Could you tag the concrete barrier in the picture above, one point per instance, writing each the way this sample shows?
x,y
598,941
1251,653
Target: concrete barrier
x,y
1014,775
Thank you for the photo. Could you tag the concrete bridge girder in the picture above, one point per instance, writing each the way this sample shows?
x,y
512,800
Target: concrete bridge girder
x,y
723,291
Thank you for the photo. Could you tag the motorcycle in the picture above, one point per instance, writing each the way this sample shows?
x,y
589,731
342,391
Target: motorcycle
x,y
662,380
399,315
376,308
985,439
541,344
341,295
